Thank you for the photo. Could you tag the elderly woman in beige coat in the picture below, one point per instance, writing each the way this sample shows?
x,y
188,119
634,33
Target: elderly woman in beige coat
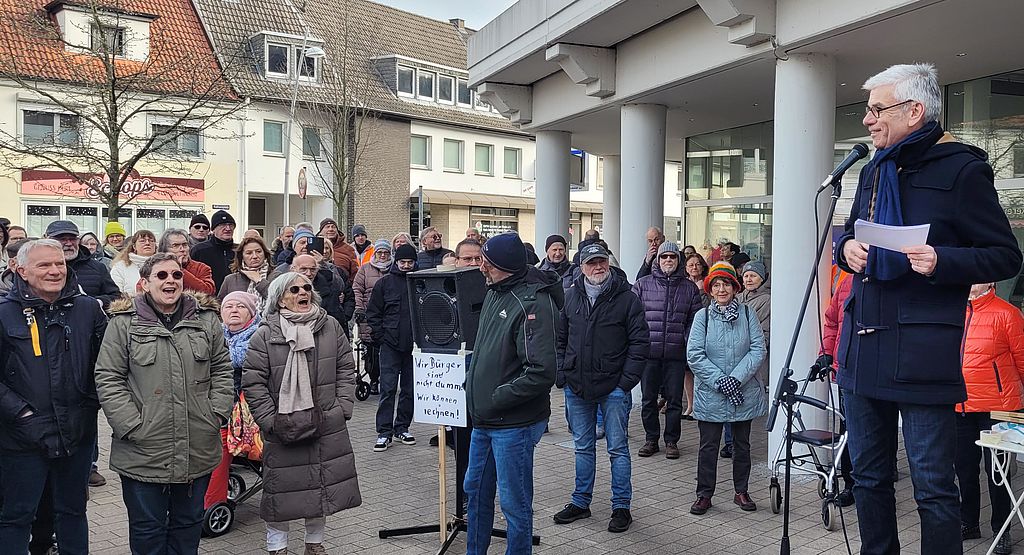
x,y
299,381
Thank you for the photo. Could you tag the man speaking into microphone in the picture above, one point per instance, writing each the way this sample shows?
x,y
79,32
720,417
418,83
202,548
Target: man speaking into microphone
x,y
900,350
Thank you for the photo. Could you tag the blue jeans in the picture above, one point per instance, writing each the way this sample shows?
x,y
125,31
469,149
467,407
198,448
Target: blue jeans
x,y
728,433
501,460
582,414
164,519
23,477
929,435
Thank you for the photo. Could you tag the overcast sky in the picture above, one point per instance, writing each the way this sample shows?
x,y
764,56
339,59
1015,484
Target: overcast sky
x,y
477,13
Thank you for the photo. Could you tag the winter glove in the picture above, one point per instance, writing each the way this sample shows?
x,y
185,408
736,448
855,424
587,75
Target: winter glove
x,y
730,387
821,368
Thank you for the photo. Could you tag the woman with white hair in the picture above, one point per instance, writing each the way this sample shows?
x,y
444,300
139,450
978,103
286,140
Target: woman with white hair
x,y
299,381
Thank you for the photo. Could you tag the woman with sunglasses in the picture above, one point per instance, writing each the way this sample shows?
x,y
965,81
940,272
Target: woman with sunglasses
x,y
124,270
299,381
164,380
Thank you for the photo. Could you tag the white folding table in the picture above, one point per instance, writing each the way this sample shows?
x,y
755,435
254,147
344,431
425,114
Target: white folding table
x,y
1001,477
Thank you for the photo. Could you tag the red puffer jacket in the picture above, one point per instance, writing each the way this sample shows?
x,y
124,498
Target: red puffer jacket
x,y
993,361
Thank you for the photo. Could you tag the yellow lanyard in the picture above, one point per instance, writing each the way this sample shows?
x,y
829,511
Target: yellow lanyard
x,y
33,328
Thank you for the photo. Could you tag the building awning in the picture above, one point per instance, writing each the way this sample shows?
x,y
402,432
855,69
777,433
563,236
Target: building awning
x,y
455,198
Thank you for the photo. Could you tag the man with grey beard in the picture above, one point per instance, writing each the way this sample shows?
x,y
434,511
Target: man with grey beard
x,y
601,350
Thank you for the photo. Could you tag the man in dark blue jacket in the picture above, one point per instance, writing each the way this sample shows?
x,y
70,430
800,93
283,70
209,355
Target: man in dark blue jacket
x,y
92,276
900,347
390,323
49,338
602,348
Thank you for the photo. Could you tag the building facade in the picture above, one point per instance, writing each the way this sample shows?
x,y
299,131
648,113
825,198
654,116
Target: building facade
x,y
53,123
757,100
420,143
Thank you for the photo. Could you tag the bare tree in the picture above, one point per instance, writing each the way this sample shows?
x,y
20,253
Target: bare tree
x,y
120,99
350,124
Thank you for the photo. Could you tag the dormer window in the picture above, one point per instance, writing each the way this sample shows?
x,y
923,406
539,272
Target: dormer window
x,y
277,60
107,39
283,60
406,76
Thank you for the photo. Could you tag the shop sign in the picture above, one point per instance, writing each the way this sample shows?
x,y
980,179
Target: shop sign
x,y
61,184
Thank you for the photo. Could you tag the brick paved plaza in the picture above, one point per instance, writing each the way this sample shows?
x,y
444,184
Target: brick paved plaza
x,y
399,488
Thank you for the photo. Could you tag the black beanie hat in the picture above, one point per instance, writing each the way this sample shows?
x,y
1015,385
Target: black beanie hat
x,y
221,217
506,252
554,239
405,252
199,219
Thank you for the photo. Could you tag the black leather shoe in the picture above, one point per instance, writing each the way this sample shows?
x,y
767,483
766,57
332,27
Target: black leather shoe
x,y
571,513
969,532
845,497
726,452
621,519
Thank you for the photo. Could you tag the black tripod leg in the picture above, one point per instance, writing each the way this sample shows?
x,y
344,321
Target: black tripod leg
x,y
408,531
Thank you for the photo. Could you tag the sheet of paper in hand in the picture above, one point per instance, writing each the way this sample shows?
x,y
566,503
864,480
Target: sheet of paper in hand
x,y
440,394
891,237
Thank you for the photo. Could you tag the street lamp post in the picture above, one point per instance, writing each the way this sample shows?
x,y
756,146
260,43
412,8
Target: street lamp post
x,y
316,53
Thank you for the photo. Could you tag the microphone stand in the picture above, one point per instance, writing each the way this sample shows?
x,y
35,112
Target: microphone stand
x,y
786,391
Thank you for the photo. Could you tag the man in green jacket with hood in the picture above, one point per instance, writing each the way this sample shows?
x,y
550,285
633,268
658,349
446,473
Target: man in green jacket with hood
x,y
508,387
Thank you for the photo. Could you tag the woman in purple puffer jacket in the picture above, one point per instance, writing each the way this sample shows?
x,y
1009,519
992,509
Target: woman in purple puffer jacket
x,y
670,302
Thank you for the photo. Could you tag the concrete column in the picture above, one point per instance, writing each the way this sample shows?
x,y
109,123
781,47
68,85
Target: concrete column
x,y
642,195
805,108
553,149
610,202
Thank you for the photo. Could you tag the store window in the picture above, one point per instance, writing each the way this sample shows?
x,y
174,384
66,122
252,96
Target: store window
x,y
38,217
484,159
419,152
273,137
597,222
747,225
731,163
575,229
513,162
494,221
85,217
989,113
453,155
151,219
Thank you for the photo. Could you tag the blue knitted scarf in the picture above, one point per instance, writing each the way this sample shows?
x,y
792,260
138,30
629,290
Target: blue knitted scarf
x,y
884,264
238,342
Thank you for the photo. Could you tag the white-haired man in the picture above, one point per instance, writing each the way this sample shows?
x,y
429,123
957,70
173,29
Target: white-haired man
x,y
899,352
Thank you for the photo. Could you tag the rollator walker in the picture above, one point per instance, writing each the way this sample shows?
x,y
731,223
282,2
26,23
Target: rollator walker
x,y
829,442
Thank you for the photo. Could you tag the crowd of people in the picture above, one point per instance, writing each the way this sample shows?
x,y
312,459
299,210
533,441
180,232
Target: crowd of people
x,y
171,335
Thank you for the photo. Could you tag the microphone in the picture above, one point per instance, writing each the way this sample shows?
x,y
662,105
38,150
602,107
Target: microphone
x,y
859,151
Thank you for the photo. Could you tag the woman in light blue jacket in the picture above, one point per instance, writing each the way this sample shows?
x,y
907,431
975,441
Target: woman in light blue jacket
x,y
725,348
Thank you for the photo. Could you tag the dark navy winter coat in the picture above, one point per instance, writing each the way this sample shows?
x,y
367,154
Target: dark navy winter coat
x,y
57,385
901,339
93,277
603,346
670,303
388,313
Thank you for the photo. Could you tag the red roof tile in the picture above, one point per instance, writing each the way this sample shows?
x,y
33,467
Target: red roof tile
x,y
181,61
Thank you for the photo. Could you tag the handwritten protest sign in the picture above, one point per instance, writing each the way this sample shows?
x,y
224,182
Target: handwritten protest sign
x,y
440,395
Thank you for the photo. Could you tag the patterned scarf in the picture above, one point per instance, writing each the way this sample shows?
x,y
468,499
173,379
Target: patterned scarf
x,y
263,269
238,341
729,312
884,264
